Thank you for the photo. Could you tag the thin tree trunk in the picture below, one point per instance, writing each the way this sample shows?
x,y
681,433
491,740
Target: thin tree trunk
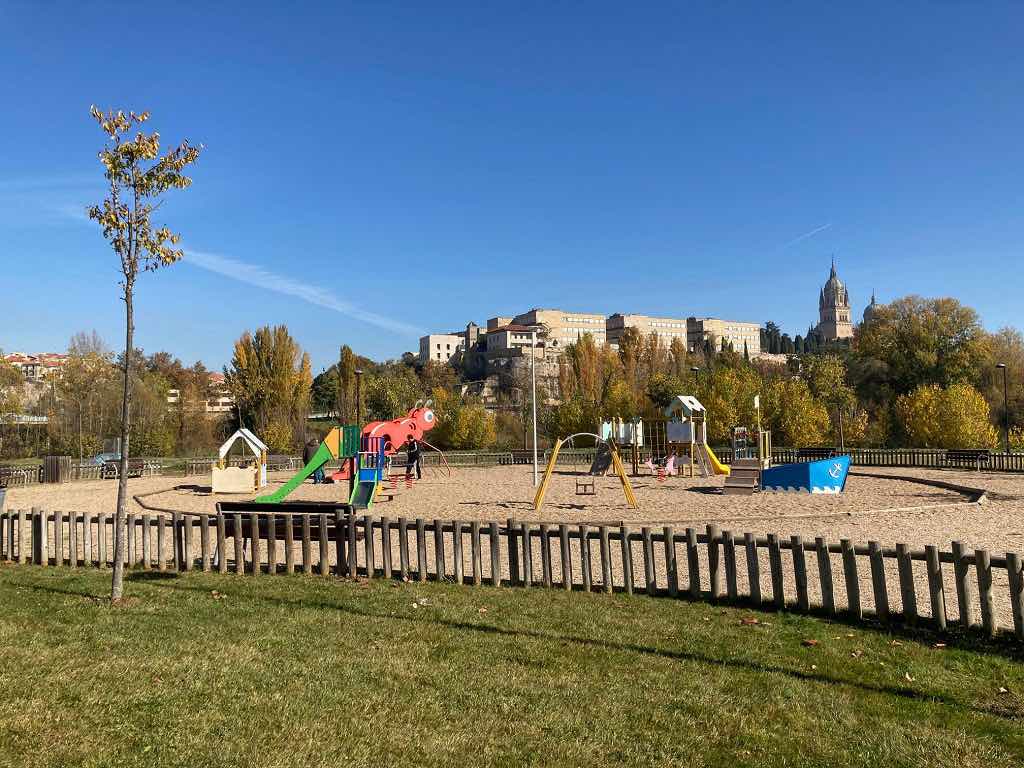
x,y
117,583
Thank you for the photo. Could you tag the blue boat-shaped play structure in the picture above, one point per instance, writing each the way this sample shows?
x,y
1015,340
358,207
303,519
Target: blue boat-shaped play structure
x,y
824,476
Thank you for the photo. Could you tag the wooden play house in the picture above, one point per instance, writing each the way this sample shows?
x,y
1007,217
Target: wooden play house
x,y
685,432
229,477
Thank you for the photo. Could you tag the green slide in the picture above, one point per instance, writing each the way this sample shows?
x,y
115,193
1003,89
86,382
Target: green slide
x,y
362,495
322,456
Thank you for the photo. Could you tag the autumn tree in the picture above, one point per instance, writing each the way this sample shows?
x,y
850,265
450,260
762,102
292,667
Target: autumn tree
x,y
460,424
270,379
914,341
954,417
137,177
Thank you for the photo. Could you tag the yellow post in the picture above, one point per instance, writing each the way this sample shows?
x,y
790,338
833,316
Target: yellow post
x,y
620,470
538,499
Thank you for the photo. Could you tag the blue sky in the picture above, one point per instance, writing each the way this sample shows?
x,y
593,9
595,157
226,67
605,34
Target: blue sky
x,y
376,170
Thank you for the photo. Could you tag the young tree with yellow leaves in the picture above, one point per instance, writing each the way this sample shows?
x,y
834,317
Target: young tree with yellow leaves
x,y
137,176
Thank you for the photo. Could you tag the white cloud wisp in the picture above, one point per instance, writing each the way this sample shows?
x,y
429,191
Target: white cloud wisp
x,y
311,294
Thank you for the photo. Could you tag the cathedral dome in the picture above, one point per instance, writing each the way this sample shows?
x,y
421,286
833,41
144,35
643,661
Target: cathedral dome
x,y
869,310
833,294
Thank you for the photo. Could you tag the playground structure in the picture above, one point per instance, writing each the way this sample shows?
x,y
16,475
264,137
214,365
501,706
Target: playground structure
x,y
365,456
247,479
396,433
822,476
686,439
751,455
607,456
341,443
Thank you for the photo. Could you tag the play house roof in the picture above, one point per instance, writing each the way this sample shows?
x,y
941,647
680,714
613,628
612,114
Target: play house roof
x,y
254,443
685,405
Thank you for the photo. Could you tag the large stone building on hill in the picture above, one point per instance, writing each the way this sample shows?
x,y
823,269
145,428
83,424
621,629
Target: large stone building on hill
x,y
834,309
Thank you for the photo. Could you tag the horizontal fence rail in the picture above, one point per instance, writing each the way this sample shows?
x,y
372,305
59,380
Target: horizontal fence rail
x,y
921,458
924,585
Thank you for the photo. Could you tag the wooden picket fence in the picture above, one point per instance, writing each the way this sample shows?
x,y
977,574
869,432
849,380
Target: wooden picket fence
x,y
718,565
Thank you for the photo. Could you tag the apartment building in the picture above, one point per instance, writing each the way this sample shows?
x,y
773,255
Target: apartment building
x,y
440,347
564,327
37,367
219,402
508,338
723,332
667,328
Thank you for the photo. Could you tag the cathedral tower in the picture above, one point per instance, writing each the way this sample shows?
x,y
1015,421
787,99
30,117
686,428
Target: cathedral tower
x,y
834,309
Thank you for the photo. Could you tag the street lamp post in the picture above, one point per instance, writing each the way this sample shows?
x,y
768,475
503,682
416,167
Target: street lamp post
x,y
359,397
1006,411
533,399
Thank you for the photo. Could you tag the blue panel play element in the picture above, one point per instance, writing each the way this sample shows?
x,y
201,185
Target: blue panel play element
x,y
825,476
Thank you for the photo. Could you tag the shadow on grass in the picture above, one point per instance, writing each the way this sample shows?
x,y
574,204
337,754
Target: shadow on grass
x,y
903,692
147,576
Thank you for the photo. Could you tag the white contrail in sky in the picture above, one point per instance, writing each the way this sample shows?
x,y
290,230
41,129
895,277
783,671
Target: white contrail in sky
x,y
805,235
311,294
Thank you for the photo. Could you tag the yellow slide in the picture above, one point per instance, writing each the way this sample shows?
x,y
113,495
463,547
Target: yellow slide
x,y
719,467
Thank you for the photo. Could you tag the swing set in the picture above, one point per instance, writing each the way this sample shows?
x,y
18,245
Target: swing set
x,y
599,467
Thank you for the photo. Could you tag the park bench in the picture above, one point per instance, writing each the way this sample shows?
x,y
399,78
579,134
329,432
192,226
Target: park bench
x,y
968,457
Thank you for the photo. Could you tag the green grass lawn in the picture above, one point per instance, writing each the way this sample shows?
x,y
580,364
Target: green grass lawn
x,y
201,670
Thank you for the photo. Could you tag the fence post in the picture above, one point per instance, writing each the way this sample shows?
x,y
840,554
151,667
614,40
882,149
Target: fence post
x,y
881,593
527,556
650,577
73,539
340,538
714,563
58,538
775,565
222,543
729,559
239,543
828,598
40,554
325,549
474,546
803,600
385,547
457,556
513,552
753,568
496,555
693,563
254,530
368,553
852,582
627,560
439,549
421,547
130,544
403,548
1016,578
671,564
606,558
204,542
545,555
271,544
588,582
908,595
353,553
161,536
307,546
963,585
983,565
